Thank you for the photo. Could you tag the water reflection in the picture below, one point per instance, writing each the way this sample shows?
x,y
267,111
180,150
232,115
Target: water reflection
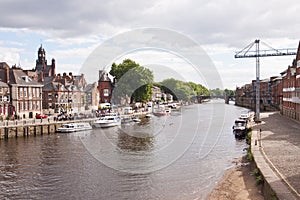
x,y
137,142
169,160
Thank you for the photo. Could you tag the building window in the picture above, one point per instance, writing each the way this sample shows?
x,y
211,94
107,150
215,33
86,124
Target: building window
x,y
30,105
25,105
33,92
105,92
25,92
6,98
21,106
29,92
21,92
1,89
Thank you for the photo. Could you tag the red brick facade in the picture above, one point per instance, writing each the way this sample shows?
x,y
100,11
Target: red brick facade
x,y
105,87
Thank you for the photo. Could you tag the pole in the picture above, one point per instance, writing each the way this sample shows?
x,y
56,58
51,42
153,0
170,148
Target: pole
x,y
257,91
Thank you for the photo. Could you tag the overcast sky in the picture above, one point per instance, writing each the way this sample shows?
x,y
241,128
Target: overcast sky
x,y
71,29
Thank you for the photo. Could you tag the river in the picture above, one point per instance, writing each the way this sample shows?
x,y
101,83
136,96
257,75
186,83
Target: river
x,y
181,156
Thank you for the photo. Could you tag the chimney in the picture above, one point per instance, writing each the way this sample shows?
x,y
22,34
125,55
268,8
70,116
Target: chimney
x,y
53,67
7,74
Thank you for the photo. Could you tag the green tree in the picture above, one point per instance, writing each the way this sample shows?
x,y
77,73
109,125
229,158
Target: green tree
x,y
199,89
229,92
216,92
179,89
132,80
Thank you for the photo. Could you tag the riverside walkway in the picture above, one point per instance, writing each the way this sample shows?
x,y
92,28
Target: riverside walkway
x,y
277,154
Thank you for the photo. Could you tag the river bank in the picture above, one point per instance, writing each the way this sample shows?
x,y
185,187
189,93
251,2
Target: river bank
x,y
237,183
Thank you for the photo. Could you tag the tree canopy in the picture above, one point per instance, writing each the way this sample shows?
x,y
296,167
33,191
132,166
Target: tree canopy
x,y
132,80
218,92
182,90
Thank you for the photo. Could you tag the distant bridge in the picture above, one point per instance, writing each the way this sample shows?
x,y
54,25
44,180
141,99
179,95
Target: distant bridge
x,y
202,98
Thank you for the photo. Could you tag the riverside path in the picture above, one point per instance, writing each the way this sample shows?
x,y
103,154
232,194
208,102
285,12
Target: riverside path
x,y
279,151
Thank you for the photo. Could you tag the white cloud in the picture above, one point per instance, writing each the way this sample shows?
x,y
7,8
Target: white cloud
x,y
10,55
73,28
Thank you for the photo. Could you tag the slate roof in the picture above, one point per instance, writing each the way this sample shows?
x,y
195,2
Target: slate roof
x,y
89,87
53,86
17,76
2,84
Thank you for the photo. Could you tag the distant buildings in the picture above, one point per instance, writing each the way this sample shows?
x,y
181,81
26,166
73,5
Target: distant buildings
x,y
105,87
23,96
276,93
25,93
64,93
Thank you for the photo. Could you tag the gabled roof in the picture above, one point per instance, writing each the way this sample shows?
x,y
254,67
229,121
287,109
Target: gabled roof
x,y
54,86
48,79
90,87
17,76
2,84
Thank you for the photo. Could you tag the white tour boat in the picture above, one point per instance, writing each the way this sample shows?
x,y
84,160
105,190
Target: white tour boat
x,y
107,121
74,127
161,111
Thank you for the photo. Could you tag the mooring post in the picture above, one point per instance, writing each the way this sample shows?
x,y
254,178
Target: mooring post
x,y
41,129
6,132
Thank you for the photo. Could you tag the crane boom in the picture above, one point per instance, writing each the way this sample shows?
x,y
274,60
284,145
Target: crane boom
x,y
257,53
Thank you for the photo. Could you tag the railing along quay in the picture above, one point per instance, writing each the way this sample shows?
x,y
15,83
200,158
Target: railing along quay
x,y
34,127
18,128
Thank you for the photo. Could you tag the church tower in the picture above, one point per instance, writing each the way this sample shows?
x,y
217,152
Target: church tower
x,y
41,62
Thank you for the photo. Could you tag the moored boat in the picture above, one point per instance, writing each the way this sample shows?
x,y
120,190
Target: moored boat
x,y
136,119
107,121
74,127
161,111
240,128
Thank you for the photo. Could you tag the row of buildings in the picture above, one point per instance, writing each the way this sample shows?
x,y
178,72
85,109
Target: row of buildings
x,y
280,92
25,93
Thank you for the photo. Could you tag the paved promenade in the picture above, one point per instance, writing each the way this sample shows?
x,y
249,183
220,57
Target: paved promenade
x,y
278,154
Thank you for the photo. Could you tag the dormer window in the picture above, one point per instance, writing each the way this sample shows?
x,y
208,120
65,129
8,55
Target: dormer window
x,y
26,78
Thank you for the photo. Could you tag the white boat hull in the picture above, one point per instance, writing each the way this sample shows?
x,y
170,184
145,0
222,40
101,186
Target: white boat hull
x,y
74,127
106,125
107,121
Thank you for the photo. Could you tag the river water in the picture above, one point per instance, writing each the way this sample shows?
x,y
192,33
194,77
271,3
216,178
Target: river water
x,y
181,156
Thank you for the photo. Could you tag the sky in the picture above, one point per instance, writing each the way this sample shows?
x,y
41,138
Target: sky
x,y
71,30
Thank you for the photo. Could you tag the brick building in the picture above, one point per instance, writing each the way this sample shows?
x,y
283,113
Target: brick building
x,y
42,70
278,92
245,96
65,93
61,93
25,94
288,90
92,96
296,97
105,87
4,100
